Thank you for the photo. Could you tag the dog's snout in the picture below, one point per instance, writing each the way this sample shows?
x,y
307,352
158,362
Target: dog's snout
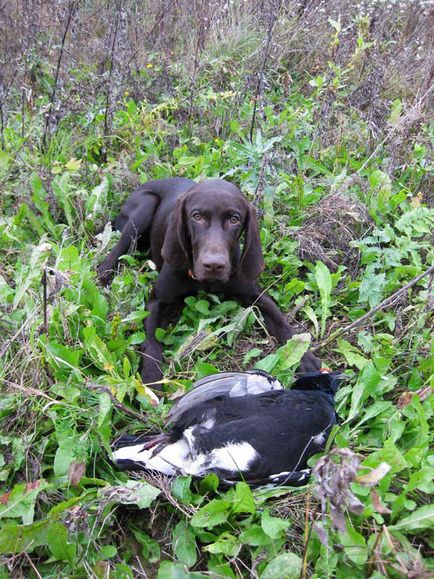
x,y
214,264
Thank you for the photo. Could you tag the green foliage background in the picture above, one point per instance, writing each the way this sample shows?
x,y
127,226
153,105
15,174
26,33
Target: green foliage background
x,y
64,509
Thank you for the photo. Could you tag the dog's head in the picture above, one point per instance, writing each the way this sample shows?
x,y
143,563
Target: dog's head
x,y
205,230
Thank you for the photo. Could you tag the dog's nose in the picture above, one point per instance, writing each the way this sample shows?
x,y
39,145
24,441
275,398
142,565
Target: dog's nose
x,y
214,264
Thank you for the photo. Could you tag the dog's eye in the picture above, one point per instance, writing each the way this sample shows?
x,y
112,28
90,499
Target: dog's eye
x,y
235,219
196,215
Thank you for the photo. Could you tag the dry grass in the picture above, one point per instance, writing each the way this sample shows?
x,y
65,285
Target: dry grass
x,y
326,235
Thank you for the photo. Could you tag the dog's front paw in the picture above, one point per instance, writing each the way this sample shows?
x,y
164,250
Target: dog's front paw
x,y
105,273
150,366
309,363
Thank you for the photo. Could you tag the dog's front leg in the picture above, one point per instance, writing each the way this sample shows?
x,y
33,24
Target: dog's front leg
x,y
279,327
151,350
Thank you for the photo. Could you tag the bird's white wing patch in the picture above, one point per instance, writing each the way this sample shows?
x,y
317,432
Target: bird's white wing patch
x,y
236,456
233,457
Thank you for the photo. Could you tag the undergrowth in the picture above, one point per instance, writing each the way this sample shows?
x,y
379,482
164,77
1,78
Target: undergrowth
x,y
342,229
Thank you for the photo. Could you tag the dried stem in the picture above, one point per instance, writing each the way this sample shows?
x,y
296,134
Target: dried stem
x,y
142,417
373,311
267,50
108,93
72,6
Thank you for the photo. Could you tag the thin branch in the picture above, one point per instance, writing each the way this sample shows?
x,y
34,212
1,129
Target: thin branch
x,y
256,96
368,315
142,417
112,59
71,11
45,300
28,390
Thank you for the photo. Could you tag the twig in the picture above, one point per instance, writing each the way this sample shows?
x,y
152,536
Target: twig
x,y
56,78
109,79
28,390
256,96
373,311
44,299
136,415
2,126
307,535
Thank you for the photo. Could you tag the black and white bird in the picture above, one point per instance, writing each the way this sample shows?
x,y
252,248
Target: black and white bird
x,y
241,426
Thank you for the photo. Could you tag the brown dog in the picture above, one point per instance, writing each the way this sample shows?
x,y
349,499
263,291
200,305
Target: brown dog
x,y
193,231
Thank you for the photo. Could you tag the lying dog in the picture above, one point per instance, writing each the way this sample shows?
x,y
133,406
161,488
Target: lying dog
x,y
193,231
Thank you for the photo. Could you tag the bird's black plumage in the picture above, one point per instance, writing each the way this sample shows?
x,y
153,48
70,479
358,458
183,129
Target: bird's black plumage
x,y
264,437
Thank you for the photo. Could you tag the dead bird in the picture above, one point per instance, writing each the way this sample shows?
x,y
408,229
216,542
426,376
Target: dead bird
x,y
240,426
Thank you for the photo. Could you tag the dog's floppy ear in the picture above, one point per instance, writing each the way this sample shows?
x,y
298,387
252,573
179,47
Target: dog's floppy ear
x,y
251,262
175,250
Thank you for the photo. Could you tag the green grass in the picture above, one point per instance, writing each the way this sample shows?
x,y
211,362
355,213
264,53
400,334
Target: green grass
x,y
69,512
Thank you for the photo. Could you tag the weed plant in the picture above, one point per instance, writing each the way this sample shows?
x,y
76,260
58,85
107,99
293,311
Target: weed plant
x,y
344,195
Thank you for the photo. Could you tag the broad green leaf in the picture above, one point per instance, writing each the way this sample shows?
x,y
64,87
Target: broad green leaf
x,y
32,273
181,489
381,184
372,411
169,570
150,548
286,356
324,282
98,352
184,544
255,536
243,501
107,552
209,483
122,571
355,545
58,543
268,363
97,199
389,454
422,480
372,286
366,383
273,526
65,455
132,492
285,566
419,520
105,405
16,538
20,501
352,355
212,514
226,544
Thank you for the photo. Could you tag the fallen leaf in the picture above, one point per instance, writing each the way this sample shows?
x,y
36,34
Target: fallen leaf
x,y
406,397
76,472
31,486
374,476
379,507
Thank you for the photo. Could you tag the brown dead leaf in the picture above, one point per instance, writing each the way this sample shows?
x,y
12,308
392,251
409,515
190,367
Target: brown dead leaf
x,y
378,506
4,498
371,478
76,472
406,397
31,486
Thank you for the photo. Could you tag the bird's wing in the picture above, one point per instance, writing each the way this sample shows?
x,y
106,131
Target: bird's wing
x,y
233,384
205,389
